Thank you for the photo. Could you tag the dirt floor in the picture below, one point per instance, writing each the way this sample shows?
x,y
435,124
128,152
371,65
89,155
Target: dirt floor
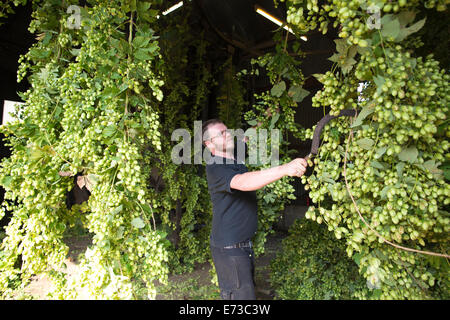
x,y
196,285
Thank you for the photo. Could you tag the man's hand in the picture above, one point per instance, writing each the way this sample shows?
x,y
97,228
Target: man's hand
x,y
295,168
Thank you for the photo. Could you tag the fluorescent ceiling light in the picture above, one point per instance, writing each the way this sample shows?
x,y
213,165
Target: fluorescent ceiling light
x,y
273,19
173,8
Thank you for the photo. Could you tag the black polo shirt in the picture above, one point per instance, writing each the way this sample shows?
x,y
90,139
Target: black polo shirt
x,y
234,211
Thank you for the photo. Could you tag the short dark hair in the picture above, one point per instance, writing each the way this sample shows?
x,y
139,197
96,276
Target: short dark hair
x,y
207,124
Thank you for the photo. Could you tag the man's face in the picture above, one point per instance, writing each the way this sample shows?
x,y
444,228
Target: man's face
x,y
217,138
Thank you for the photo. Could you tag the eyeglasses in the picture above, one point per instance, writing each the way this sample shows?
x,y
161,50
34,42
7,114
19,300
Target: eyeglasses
x,y
222,133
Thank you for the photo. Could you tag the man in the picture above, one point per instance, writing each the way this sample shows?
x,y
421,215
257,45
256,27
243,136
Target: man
x,y
232,190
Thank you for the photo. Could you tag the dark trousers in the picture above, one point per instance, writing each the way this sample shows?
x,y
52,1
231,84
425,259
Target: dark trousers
x,y
235,271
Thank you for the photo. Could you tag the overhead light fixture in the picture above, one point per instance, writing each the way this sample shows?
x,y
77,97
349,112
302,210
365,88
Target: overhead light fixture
x,y
171,9
272,18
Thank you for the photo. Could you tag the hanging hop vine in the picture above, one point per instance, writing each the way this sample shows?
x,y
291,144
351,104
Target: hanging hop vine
x,y
89,111
397,146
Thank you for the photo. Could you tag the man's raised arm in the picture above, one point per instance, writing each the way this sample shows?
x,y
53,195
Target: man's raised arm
x,y
254,180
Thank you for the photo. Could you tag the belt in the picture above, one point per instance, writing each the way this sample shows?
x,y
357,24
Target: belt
x,y
243,244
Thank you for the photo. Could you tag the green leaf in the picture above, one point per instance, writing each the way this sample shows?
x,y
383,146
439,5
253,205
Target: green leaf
x,y
117,210
75,51
400,166
352,51
61,227
406,17
380,151
342,46
367,110
124,47
417,26
376,39
133,5
335,133
269,198
152,47
384,192
163,235
38,53
335,57
278,89
404,32
119,232
44,74
409,154
47,38
104,243
36,154
379,82
137,223
122,88
365,143
274,120
377,165
6,181
141,54
347,65
298,93
109,130
145,13
432,166
376,294
318,76
327,178
390,26
446,170
142,7
140,41
147,208
357,257
92,178
252,122
344,56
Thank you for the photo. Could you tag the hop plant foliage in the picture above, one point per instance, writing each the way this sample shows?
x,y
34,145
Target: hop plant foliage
x,y
396,149
313,265
90,110
96,107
